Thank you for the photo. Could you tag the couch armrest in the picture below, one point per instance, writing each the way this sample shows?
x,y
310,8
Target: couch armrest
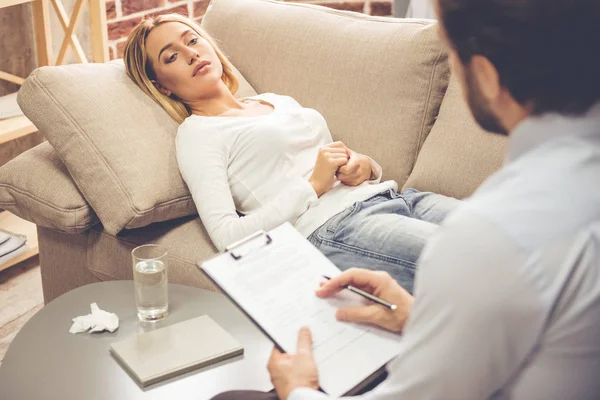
x,y
37,187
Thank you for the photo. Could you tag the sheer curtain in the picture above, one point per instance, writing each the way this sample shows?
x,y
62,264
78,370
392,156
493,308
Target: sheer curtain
x,y
421,9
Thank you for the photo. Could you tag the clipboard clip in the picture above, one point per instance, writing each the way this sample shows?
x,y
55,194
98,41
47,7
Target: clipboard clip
x,y
247,245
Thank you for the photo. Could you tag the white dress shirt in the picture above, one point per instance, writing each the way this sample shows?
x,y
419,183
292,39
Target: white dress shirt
x,y
421,9
508,291
259,166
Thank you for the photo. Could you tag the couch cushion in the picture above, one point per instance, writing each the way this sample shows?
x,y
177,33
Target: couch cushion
x,y
378,81
458,155
116,142
109,256
36,186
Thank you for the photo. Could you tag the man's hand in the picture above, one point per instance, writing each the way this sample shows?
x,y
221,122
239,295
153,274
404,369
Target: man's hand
x,y
378,283
356,171
292,371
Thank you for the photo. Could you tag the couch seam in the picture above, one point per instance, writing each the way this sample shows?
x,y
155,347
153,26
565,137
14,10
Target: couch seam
x,y
39,199
75,217
104,233
427,103
158,207
350,14
96,272
71,229
87,224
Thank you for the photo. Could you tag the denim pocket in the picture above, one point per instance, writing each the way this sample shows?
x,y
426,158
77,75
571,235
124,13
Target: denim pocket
x,y
334,222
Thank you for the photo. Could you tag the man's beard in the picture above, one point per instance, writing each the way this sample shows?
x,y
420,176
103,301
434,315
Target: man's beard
x,y
480,108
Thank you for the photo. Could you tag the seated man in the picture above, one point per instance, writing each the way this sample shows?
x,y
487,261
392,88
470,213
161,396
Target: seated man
x,y
507,300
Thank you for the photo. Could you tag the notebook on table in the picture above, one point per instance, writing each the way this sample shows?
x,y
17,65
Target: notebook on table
x,y
11,245
175,349
272,277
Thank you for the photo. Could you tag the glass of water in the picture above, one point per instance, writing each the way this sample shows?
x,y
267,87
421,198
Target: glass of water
x,y
150,281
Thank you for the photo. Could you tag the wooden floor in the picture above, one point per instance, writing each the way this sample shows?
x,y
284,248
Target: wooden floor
x,y
20,298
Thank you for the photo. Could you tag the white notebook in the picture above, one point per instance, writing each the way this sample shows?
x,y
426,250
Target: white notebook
x,y
175,349
273,277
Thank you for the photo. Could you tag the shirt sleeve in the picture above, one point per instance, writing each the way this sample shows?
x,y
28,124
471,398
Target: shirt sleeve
x,y
203,167
476,319
307,394
376,172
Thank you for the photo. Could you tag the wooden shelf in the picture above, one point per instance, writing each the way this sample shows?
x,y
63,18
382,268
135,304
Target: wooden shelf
x,y
17,125
14,128
12,223
8,3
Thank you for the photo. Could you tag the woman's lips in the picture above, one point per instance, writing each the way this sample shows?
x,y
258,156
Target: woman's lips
x,y
201,67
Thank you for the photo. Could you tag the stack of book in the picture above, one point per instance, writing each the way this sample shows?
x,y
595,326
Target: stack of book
x,y
11,245
9,107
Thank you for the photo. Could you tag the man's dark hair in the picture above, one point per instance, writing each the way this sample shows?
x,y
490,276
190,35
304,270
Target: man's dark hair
x,y
547,52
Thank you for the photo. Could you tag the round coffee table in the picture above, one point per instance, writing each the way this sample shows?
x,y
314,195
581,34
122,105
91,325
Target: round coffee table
x,y
45,361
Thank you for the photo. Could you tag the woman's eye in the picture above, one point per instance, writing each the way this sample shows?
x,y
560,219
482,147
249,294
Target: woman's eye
x,y
194,41
172,58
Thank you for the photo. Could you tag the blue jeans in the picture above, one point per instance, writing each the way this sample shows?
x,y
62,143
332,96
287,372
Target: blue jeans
x,y
386,232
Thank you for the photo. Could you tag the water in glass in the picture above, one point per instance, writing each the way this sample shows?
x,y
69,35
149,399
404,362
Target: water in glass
x,y
151,288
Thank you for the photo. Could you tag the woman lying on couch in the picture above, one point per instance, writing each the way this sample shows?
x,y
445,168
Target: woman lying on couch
x,y
256,157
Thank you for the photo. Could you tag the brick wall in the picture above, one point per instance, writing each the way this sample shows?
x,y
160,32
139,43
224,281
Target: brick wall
x,y
124,15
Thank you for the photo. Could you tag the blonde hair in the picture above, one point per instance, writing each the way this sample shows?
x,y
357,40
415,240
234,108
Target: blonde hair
x,y
139,66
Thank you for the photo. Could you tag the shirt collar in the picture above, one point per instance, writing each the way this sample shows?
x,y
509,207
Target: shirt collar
x,y
537,130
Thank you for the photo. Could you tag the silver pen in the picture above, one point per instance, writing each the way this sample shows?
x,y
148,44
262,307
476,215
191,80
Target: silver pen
x,y
368,296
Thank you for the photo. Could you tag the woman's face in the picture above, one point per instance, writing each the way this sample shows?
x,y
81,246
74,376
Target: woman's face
x,y
185,64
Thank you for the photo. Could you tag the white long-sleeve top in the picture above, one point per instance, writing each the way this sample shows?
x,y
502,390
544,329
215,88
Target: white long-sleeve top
x,y
259,167
507,296
421,9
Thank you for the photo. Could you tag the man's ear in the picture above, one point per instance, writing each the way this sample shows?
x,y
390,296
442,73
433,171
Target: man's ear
x,y
488,79
161,89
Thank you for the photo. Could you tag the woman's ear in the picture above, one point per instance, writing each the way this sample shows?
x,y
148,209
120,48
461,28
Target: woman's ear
x,y
161,89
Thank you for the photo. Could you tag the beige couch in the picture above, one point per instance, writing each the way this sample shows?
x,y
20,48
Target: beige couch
x,y
108,180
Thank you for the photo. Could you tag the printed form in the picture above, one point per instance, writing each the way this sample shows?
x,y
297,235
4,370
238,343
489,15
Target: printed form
x,y
275,284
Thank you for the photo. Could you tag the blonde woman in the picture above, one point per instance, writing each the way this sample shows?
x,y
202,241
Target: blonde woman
x,y
255,163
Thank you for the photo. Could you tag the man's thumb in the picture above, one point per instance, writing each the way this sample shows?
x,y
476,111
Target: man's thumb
x,y
356,314
305,340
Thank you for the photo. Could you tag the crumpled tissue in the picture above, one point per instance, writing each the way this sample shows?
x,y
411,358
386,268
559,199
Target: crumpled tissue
x,y
99,320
